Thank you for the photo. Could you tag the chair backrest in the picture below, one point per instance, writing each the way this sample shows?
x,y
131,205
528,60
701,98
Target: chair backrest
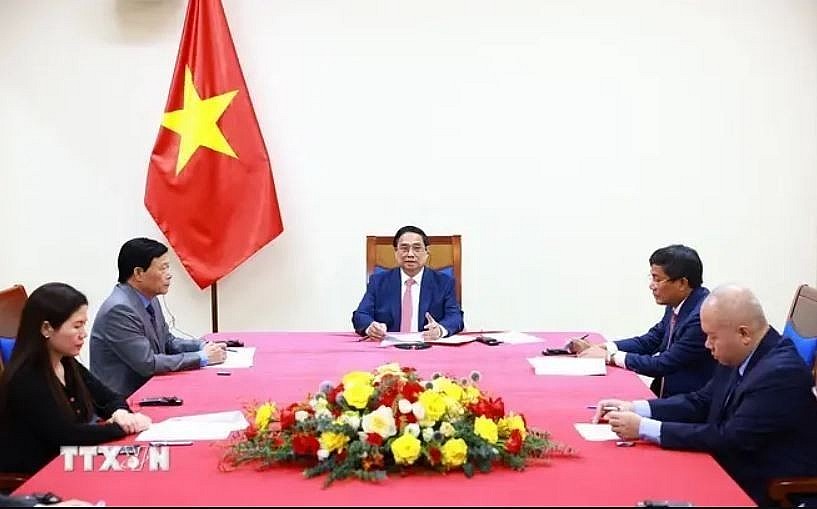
x,y
444,254
801,323
12,301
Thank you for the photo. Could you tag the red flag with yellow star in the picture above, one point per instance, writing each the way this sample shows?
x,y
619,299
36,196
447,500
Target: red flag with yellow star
x,y
209,185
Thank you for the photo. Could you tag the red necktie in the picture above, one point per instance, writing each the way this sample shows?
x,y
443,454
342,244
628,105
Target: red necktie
x,y
407,308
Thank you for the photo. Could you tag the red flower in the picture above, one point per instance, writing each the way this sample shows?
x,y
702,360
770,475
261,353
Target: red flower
x,y
388,396
305,445
514,443
332,396
411,390
434,455
497,408
287,418
374,439
251,431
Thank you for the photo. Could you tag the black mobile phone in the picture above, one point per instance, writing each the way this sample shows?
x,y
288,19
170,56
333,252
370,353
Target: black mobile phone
x,y
412,346
664,503
556,351
161,401
233,343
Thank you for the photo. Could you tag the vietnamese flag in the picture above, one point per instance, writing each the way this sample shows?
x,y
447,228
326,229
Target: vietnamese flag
x,y
209,185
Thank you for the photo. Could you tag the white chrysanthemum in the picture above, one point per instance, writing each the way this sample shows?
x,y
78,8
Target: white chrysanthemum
x,y
351,418
323,454
447,429
323,412
428,434
419,410
301,415
413,428
404,406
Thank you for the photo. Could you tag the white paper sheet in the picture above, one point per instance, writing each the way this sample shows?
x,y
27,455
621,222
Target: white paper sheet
x,y
572,366
396,338
237,357
595,432
214,426
515,338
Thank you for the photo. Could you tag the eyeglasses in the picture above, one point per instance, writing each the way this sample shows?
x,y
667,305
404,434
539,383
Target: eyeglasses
x,y
405,248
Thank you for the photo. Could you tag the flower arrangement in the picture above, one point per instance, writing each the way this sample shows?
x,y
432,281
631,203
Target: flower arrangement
x,y
389,420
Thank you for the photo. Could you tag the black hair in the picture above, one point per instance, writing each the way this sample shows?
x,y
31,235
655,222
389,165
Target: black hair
x,y
680,261
139,252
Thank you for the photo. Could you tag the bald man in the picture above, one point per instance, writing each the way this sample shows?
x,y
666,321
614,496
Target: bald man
x,y
756,416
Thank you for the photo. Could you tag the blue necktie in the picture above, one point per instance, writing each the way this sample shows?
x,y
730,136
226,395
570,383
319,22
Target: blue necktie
x,y
152,313
732,388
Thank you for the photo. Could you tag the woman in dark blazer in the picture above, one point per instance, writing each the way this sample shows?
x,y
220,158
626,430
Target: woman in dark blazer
x,y
47,398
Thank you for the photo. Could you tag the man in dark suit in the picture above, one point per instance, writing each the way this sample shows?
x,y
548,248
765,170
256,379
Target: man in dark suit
x,y
672,351
392,302
756,415
130,340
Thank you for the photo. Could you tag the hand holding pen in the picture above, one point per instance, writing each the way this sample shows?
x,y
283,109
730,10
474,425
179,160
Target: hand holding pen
x,y
606,406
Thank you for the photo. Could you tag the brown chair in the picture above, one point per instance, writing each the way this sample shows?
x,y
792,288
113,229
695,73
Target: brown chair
x,y
444,252
12,301
803,319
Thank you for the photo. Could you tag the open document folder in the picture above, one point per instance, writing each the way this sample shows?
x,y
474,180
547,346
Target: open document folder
x,y
575,366
213,426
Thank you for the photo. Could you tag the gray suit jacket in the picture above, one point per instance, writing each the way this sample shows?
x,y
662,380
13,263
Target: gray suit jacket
x,y
126,350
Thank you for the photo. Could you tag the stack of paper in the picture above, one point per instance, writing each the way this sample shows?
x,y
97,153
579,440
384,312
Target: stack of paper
x,y
215,426
397,338
596,432
514,338
568,366
237,358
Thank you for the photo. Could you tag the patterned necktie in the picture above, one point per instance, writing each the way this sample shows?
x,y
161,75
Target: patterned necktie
x,y
152,313
407,308
672,323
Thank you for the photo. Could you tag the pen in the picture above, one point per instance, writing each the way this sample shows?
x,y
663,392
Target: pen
x,y
606,408
171,442
584,337
232,350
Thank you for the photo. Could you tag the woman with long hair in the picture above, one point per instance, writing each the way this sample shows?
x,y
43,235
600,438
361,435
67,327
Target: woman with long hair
x,y
47,398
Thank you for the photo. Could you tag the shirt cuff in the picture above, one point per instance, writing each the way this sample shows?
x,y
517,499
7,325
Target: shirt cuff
x,y
642,408
202,358
650,430
611,347
443,332
620,359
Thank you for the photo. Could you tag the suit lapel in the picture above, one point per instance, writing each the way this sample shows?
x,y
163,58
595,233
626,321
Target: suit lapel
x,y
136,303
394,282
426,293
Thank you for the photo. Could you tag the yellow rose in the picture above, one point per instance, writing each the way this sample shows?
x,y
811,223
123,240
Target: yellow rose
x,y
433,405
392,368
453,407
455,452
405,449
486,428
263,415
357,378
448,387
333,441
470,395
358,395
507,424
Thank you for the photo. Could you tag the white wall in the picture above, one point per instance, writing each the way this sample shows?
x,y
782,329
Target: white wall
x,y
565,140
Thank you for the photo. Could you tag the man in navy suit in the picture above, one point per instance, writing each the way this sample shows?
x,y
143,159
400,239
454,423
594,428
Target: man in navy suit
x,y
756,416
411,297
672,351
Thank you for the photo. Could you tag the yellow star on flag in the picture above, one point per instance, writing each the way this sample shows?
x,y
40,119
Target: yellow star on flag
x,y
195,123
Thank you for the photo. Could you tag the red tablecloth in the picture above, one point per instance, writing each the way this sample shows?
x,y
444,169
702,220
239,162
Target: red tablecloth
x,y
289,365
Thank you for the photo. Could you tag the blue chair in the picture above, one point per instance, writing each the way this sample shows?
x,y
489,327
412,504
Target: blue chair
x,y
444,255
12,301
801,328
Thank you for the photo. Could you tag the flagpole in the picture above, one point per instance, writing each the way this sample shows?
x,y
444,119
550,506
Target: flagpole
x,y
214,305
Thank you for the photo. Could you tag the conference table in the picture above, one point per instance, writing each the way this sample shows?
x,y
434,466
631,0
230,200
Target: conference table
x,y
289,365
